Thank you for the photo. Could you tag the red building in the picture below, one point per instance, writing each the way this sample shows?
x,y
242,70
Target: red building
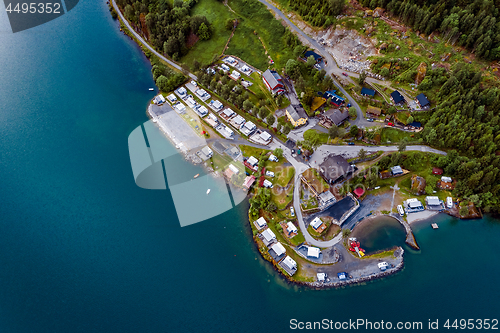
x,y
273,82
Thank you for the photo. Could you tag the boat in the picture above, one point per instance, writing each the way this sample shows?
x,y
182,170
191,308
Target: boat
x,y
208,191
151,89
196,176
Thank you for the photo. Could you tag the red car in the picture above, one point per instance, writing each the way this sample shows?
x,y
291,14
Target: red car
x,y
345,74
390,124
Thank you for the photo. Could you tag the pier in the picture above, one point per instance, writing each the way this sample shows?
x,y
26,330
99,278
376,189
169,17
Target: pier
x,y
410,238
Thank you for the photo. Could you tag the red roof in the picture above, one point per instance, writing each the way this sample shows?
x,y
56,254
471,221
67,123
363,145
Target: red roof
x,y
359,192
437,171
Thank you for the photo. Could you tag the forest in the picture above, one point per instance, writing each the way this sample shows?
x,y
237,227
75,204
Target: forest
x,y
318,12
471,24
167,27
466,120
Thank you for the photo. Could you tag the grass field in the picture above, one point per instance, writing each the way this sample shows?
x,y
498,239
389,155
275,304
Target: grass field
x,y
217,14
283,198
284,175
248,47
393,135
248,151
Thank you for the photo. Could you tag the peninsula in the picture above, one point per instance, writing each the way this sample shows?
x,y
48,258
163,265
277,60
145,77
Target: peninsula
x,y
328,124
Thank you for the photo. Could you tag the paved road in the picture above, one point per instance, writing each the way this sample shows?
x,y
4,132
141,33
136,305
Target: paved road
x,y
136,35
331,66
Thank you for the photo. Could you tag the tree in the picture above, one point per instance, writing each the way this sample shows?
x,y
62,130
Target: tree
x,y
247,105
464,210
263,111
335,132
310,61
336,6
353,131
278,152
162,82
203,32
409,120
346,232
402,145
371,180
392,110
428,189
271,207
229,24
292,68
270,119
362,154
352,112
362,77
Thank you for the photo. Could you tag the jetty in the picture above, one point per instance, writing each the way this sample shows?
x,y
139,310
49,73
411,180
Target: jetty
x,y
410,238
434,226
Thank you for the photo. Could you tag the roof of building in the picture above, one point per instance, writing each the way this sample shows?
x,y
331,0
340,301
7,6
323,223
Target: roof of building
x,y
296,113
278,248
289,262
261,222
314,54
415,124
397,97
367,92
270,79
334,98
316,223
437,171
321,276
248,181
336,116
268,235
172,98
228,112
249,125
252,161
291,227
238,120
313,252
265,136
396,169
432,201
359,192
422,100
334,167
326,196
206,150
446,179
413,203
235,169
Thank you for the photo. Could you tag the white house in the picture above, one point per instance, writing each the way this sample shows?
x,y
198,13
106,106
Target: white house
x,y
313,252
261,222
269,173
180,108
207,151
278,248
234,169
291,227
238,121
289,263
181,92
159,100
252,161
321,277
268,235
265,136
413,205
202,110
248,128
396,170
172,98
382,265
235,75
446,179
316,223
449,202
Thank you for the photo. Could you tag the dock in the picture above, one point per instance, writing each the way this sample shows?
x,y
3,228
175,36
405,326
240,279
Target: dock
x,y
435,226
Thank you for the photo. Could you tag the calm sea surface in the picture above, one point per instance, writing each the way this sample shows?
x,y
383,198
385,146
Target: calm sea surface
x,y
83,249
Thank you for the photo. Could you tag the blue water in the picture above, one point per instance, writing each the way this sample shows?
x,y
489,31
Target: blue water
x,y
82,249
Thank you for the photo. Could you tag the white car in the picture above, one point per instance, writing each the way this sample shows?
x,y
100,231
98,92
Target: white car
x,y
292,211
194,83
269,173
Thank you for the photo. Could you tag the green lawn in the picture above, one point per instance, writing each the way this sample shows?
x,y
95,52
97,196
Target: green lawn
x,y
248,47
393,135
248,151
312,133
283,175
283,198
217,14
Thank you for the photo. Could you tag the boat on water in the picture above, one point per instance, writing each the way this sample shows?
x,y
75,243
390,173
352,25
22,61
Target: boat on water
x,y
208,191
151,89
196,176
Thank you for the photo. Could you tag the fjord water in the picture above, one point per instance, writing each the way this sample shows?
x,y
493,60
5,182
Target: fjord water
x,y
83,249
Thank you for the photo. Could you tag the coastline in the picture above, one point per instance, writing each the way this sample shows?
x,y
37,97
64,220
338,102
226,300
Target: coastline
x,y
420,217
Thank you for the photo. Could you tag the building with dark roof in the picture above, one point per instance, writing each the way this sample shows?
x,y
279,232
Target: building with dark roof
x,y
335,117
367,92
296,115
422,101
272,80
397,98
334,98
316,56
335,168
374,110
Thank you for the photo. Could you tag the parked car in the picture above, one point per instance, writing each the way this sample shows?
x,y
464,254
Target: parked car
x,y
292,211
370,120
269,173
293,151
349,105
194,83
351,143
317,66
390,124
345,74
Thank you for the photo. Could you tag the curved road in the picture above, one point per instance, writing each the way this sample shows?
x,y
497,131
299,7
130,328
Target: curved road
x,y
330,68
143,42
